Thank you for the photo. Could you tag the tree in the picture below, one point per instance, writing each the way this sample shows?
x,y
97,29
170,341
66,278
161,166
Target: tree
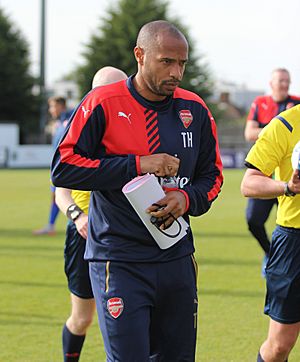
x,y
115,39
17,102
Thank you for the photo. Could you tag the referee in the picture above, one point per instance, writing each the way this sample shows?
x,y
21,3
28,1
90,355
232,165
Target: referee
x,y
272,152
263,110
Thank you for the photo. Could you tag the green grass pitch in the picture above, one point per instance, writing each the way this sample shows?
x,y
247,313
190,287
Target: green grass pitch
x,y
34,299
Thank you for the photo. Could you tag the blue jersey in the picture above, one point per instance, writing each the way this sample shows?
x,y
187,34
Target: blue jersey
x,y
111,128
60,127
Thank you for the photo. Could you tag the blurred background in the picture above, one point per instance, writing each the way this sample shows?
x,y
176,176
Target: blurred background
x,y
53,48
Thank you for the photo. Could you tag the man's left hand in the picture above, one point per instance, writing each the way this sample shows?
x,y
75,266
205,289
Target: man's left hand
x,y
173,205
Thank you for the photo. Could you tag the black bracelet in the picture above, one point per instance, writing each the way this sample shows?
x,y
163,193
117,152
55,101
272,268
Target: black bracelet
x,y
288,191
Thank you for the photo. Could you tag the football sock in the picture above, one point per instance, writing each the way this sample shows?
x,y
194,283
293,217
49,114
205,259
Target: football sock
x,y
54,210
72,345
259,357
259,232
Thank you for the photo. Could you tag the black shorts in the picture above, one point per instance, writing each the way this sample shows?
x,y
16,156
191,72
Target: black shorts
x,y
76,268
283,276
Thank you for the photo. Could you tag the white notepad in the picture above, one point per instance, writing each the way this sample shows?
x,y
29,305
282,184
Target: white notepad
x,y
142,192
295,159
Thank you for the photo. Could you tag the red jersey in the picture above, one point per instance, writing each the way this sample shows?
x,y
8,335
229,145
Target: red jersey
x,y
264,108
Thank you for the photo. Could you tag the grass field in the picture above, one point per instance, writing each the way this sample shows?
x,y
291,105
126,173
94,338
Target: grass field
x,y
34,299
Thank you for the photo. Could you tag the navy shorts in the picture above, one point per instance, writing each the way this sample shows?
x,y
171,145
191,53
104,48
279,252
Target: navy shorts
x,y
76,268
147,311
283,276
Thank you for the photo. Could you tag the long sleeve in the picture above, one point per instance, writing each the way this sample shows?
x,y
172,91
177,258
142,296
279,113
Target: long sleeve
x,y
208,178
80,160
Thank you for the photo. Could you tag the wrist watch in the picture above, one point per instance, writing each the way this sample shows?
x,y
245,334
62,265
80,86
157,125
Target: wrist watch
x,y
287,191
73,212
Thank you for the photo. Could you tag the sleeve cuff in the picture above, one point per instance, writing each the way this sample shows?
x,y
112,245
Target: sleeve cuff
x,y
187,199
249,165
138,165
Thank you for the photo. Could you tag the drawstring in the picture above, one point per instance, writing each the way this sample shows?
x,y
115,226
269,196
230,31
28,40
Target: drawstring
x,y
157,223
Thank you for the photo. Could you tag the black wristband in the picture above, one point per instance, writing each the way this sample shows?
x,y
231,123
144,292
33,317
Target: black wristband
x,y
73,212
287,190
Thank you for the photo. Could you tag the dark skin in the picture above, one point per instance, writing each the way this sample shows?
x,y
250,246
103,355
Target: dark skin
x,y
160,69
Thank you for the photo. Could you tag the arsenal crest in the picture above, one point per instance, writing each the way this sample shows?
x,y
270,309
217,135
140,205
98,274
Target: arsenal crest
x,y
289,105
186,117
115,307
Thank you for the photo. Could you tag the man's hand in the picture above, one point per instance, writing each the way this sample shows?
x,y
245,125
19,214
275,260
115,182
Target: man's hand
x,y
294,183
82,225
173,205
161,164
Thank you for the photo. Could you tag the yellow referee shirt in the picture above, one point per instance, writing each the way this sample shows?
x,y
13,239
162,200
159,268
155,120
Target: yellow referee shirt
x,y
273,151
81,199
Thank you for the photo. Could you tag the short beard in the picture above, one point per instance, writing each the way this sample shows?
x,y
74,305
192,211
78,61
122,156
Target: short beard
x,y
157,90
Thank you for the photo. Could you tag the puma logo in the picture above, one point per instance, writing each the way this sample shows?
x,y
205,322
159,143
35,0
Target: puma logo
x,y
85,111
122,114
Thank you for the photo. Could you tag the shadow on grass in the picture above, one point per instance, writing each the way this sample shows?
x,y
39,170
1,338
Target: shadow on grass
x,y
25,233
221,235
13,315
32,284
231,293
21,253
221,262
30,247
28,321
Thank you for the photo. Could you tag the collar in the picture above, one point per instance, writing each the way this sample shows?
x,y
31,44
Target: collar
x,y
156,106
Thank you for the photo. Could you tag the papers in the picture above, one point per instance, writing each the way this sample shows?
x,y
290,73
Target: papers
x,y
142,192
296,157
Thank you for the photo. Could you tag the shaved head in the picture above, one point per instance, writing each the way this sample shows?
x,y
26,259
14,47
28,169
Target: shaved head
x,y
108,75
161,53
150,34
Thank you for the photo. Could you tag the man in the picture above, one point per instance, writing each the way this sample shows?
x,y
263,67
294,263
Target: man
x,y
59,115
263,109
272,152
74,204
146,297
108,75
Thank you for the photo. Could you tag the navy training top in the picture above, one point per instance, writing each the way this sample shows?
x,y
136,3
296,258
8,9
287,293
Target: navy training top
x,y
112,126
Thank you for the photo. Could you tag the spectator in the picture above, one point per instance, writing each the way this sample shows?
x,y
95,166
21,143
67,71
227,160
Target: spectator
x,y
59,118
